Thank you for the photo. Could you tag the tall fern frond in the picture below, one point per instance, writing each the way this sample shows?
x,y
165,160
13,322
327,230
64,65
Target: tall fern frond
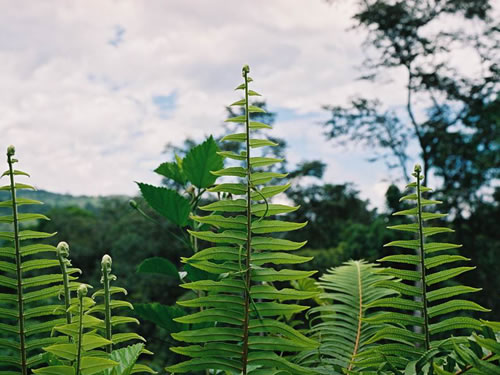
x,y
340,323
242,307
436,304
27,280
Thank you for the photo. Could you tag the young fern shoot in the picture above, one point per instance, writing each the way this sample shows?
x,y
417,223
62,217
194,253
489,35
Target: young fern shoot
x,y
241,307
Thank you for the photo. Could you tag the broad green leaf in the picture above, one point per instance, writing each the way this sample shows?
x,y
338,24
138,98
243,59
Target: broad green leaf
x,y
94,365
158,265
172,171
167,202
200,162
126,359
161,315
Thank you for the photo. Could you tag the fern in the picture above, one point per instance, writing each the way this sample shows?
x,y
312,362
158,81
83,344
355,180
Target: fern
x,y
105,309
479,355
425,298
28,280
241,308
81,356
340,323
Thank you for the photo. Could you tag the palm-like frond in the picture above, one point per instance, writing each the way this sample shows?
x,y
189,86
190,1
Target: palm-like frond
x,y
241,309
340,322
436,305
28,280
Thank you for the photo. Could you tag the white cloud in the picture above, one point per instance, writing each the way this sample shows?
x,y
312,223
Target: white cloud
x,y
78,81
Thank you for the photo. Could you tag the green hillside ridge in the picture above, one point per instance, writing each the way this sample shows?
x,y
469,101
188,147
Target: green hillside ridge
x,y
51,200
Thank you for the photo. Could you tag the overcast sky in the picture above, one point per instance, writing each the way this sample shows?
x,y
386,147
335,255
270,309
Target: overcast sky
x,y
91,91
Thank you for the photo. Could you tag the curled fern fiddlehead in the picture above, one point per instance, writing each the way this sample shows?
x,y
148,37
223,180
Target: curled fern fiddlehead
x,y
106,309
83,354
64,263
242,307
436,317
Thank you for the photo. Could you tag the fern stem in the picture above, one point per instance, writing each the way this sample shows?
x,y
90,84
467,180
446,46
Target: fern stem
x,y
82,291
62,256
470,367
360,318
249,229
106,270
20,303
422,260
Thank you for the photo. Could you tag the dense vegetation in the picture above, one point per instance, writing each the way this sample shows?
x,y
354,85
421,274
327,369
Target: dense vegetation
x,y
226,279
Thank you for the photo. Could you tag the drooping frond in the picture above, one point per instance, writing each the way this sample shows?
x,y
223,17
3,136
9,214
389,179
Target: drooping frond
x,y
340,323
241,309
422,272
27,280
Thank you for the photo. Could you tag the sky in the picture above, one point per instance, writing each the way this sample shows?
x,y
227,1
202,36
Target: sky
x,y
91,91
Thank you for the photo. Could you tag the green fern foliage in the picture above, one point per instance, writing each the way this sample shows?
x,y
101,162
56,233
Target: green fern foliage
x,y
341,322
83,355
421,272
106,310
241,309
27,280
480,354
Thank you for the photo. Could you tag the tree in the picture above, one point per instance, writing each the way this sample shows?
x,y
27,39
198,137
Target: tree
x,y
451,114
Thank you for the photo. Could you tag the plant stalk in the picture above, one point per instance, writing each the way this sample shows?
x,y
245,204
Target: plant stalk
x,y
17,246
422,261
249,229
106,270
82,291
62,256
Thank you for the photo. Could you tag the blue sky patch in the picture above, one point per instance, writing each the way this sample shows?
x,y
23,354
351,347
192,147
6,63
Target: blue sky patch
x,y
119,32
165,103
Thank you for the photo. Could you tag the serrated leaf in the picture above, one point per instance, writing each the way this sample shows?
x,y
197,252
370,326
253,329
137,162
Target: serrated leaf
x,y
172,171
200,162
167,202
